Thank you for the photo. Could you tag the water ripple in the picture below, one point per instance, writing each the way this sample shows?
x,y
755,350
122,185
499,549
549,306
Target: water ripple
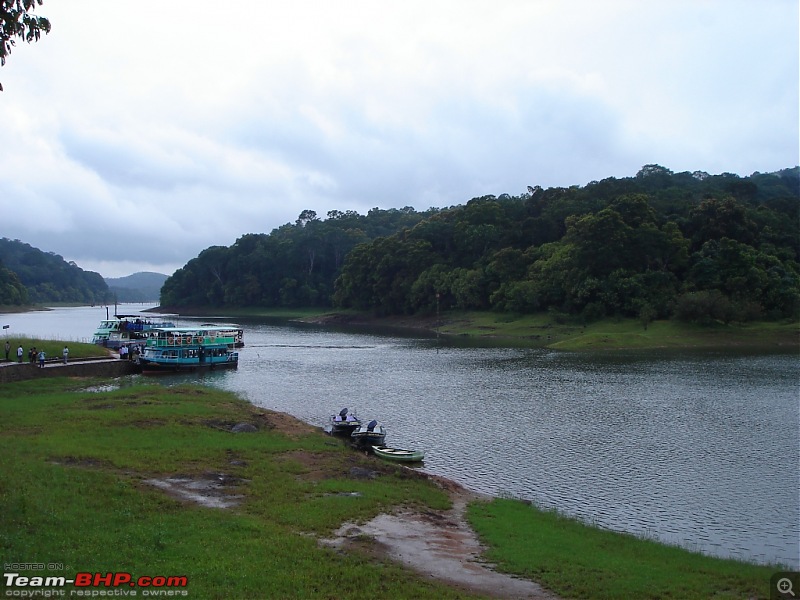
x,y
689,450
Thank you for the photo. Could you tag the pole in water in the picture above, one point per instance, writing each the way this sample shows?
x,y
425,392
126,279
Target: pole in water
x,y
437,322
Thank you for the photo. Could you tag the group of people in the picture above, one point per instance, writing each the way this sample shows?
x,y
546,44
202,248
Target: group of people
x,y
34,355
130,353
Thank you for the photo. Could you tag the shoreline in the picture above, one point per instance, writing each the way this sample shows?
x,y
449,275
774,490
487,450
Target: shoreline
x,y
545,330
283,490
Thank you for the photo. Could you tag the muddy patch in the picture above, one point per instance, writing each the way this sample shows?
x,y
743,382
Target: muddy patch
x,y
286,424
211,490
438,544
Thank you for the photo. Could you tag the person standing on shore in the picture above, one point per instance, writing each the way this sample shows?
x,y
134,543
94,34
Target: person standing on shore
x,y
65,354
20,352
41,359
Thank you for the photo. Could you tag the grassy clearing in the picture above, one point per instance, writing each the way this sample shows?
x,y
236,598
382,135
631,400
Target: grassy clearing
x,y
578,561
52,348
74,491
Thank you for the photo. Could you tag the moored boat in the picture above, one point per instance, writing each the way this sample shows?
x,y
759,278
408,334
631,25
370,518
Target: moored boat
x,y
344,423
189,348
230,329
398,454
125,330
369,434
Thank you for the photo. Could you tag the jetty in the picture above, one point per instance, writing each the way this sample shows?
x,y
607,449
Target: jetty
x,y
80,367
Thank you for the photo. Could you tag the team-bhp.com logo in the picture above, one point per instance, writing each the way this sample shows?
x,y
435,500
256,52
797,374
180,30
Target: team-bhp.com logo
x,y
94,584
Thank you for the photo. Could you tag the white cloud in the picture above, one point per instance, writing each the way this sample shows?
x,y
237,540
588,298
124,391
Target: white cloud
x,y
193,125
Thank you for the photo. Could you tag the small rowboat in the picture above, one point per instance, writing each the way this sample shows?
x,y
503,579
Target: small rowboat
x,y
398,454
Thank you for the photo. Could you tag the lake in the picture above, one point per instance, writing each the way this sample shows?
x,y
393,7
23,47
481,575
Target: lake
x,y
698,449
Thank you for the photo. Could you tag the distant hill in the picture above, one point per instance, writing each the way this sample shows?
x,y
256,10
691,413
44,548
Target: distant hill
x,y
139,287
47,277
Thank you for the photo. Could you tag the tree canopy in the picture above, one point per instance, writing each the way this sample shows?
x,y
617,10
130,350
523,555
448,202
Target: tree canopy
x,y
40,277
656,245
17,21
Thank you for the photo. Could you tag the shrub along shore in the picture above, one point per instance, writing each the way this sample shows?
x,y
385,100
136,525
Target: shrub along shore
x,y
86,464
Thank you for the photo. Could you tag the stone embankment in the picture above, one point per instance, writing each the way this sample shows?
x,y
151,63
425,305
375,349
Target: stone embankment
x,y
91,367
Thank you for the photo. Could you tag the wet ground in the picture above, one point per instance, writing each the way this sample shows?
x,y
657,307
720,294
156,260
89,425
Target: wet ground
x,y
440,545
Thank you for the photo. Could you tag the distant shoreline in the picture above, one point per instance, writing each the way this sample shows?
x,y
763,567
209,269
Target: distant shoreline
x,y
544,330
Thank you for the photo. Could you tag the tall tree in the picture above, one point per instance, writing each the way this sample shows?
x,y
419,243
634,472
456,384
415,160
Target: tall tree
x,y
18,21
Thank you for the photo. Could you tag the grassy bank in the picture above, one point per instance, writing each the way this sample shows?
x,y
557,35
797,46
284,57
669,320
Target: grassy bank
x,y
552,330
578,561
81,463
75,490
52,348
609,334
557,332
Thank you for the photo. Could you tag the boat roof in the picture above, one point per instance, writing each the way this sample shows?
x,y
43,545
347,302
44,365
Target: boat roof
x,y
190,329
143,317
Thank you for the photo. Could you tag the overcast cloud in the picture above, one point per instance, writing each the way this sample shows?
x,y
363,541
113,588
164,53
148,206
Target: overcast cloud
x,y
137,134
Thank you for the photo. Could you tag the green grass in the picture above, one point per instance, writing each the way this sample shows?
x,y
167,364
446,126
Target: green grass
x,y
578,561
74,491
561,333
52,348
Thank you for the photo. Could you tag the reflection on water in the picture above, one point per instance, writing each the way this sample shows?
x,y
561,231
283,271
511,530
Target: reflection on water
x,y
699,450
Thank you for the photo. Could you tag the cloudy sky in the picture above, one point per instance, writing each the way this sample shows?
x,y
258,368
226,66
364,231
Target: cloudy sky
x,y
137,134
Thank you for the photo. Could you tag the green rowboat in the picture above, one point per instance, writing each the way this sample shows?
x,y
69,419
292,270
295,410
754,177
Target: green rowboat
x,y
398,454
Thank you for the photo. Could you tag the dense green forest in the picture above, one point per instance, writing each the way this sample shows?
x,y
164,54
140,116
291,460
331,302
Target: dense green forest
x,y
660,244
28,275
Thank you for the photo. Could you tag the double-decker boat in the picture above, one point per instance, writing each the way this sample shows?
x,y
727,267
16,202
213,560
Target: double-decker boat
x,y
230,329
124,330
189,348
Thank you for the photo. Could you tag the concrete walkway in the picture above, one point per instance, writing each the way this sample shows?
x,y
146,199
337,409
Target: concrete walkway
x,y
78,367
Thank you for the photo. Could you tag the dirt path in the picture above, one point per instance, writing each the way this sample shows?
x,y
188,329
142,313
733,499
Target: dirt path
x,y
438,544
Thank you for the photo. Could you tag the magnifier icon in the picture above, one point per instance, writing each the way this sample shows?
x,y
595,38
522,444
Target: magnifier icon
x,y
784,586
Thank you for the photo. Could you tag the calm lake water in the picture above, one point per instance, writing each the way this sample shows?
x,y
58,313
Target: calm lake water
x,y
698,449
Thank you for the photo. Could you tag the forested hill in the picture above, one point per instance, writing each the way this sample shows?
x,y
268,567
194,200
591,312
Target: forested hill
x,y
144,286
656,245
28,275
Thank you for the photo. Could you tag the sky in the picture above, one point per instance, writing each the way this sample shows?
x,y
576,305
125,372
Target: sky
x,y
137,134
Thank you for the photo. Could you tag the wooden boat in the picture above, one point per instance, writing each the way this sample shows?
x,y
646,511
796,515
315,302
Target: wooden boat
x,y
344,423
398,454
189,348
369,434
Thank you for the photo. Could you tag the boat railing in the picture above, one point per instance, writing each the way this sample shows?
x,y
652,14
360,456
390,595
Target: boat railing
x,y
189,340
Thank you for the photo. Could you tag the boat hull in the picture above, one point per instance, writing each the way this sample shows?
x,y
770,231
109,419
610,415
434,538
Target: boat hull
x,y
150,366
363,436
203,348
398,454
344,428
